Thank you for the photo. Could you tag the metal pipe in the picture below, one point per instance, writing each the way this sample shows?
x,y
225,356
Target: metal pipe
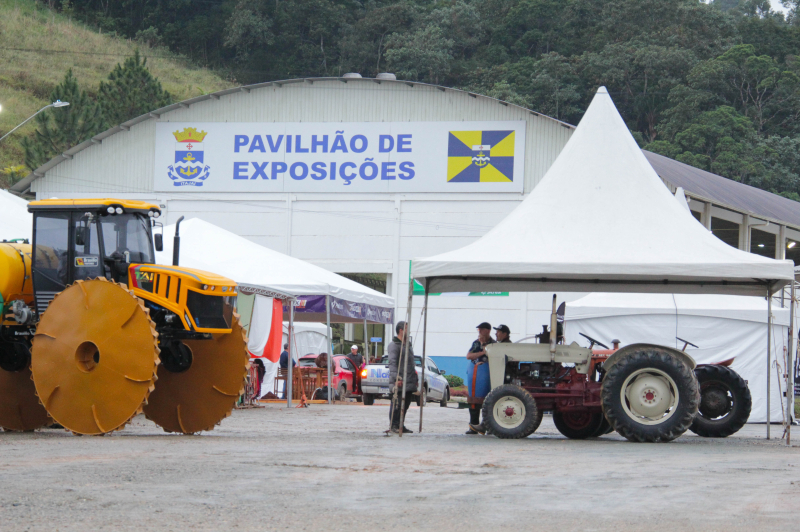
x,y
291,359
553,331
769,355
330,347
176,243
790,370
424,359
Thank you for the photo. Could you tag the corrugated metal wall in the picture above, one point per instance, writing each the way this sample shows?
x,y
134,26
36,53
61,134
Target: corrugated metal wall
x,y
124,162
343,232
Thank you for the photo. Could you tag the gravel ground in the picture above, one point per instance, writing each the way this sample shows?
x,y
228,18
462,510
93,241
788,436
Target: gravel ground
x,y
332,468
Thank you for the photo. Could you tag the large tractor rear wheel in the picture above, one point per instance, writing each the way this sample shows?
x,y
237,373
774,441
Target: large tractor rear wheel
x,y
510,412
650,395
94,357
199,382
20,409
725,402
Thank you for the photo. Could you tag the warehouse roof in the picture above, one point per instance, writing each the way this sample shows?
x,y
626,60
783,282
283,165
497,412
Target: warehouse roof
x,y
725,192
23,186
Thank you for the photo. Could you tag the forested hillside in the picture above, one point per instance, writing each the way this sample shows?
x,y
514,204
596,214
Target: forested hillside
x,y
714,85
38,46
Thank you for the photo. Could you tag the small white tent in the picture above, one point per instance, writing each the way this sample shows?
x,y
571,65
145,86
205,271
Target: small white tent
x,y
15,220
208,247
723,327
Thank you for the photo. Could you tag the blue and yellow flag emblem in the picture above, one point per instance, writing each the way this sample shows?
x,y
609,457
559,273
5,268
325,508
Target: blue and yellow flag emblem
x,y
480,157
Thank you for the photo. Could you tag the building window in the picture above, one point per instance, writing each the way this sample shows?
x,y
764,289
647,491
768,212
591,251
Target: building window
x,y
762,243
793,251
726,231
697,216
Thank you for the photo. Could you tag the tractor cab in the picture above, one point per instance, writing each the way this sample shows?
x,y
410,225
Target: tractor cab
x,y
77,240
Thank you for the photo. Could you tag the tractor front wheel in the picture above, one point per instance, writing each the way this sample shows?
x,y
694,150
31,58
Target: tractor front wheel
x,y
650,395
510,412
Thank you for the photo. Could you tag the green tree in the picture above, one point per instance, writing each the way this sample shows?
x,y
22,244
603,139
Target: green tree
x,y
60,129
424,55
131,91
248,29
757,86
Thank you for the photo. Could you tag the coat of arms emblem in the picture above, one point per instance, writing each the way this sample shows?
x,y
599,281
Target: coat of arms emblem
x,y
189,167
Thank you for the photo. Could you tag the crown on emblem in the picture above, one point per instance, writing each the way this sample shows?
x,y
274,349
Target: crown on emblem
x,y
189,134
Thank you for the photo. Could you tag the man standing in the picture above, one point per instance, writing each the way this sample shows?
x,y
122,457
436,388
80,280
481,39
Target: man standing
x,y
478,377
355,358
408,380
357,361
284,361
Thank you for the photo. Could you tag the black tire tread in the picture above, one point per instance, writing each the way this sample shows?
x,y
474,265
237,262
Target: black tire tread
x,y
678,423
368,398
529,424
709,429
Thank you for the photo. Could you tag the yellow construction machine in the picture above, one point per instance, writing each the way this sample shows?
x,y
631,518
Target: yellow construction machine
x,y
90,323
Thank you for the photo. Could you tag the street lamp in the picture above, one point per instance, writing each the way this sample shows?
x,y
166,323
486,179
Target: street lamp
x,y
57,103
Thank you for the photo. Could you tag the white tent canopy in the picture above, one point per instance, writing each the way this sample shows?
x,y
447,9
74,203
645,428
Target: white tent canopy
x,y
208,247
15,220
601,219
723,327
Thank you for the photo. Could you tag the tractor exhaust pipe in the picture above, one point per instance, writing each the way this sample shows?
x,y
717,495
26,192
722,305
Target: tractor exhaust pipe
x,y
553,331
176,243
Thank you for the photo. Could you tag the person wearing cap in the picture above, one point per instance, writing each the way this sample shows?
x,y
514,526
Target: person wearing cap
x,y
408,380
503,333
478,382
357,361
355,358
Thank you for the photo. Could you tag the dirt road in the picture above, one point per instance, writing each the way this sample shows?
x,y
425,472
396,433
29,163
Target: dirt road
x,y
332,468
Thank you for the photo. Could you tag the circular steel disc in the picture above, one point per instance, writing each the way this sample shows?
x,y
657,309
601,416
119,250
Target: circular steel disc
x,y
200,397
20,408
94,357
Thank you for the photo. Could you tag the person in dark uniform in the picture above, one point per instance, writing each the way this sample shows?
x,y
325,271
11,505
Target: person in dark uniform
x,y
477,376
357,361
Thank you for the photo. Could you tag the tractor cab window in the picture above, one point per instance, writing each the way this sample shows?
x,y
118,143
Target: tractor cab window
x,y
126,238
51,254
86,250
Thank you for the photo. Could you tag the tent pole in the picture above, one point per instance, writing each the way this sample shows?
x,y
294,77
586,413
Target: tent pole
x,y
366,342
790,370
330,347
769,350
404,361
424,359
291,358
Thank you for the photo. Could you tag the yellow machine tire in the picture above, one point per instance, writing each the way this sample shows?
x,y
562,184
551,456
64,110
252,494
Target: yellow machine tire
x,y
202,396
20,409
94,357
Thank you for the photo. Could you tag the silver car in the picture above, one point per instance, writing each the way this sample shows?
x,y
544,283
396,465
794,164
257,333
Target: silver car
x,y
375,382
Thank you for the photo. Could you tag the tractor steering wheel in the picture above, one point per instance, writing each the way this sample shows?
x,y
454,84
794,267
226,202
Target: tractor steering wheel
x,y
593,341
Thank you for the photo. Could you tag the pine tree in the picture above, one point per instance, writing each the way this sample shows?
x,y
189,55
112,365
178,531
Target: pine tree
x,y
59,129
131,91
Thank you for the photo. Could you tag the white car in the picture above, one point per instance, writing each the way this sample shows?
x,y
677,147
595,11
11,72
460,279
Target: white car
x,y
375,382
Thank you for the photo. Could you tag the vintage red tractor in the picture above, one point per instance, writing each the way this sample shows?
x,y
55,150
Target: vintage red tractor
x,y
647,393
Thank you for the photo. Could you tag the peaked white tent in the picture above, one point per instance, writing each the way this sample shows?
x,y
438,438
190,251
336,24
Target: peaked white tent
x,y
15,220
601,219
723,327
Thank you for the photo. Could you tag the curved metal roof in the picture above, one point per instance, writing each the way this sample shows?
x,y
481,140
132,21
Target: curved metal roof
x,y
23,186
